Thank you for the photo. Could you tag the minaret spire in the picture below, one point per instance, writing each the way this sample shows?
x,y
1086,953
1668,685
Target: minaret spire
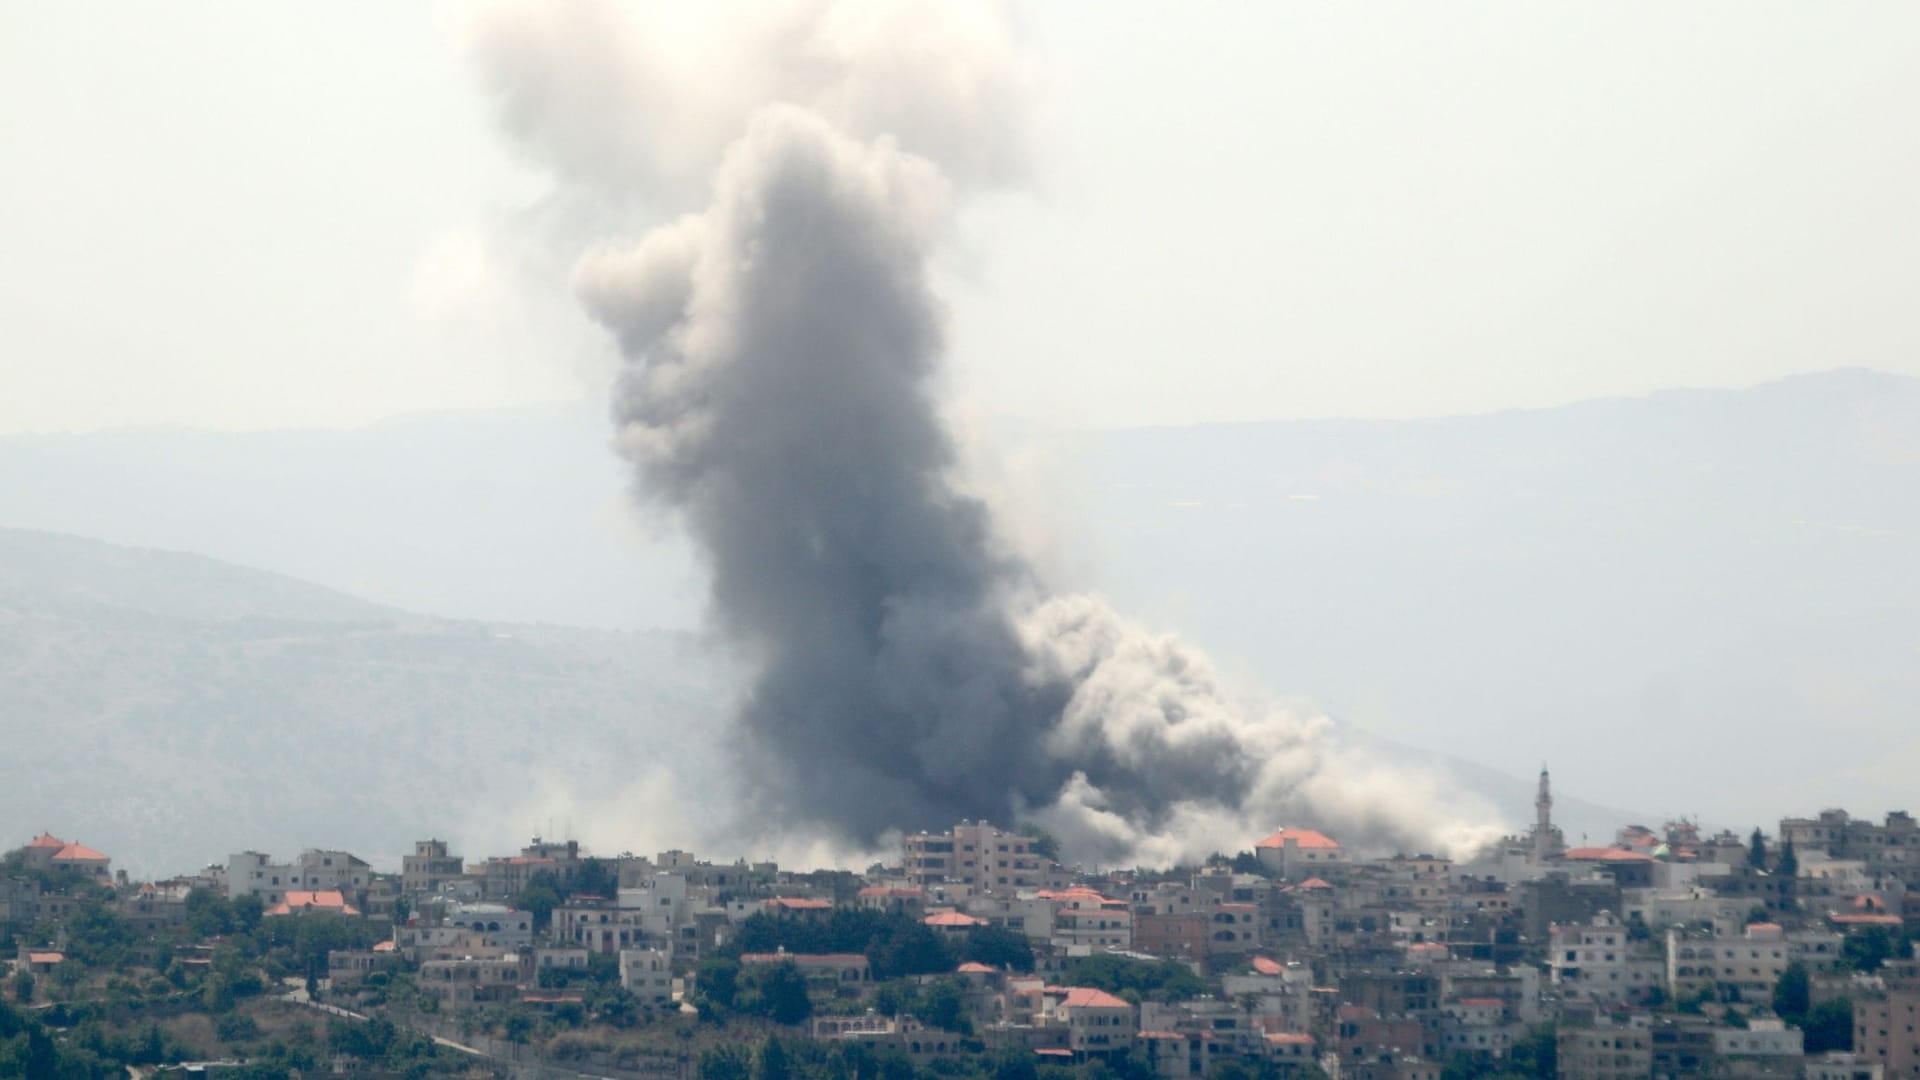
x,y
1543,819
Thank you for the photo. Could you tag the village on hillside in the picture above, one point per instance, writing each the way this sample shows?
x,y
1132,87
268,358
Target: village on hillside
x,y
1666,953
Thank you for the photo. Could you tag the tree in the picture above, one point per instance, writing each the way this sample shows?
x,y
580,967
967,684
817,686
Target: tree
x,y
942,1005
208,913
1866,950
773,1062
1829,1026
998,947
1793,994
1246,862
1537,1054
1045,844
596,877
23,986
717,980
725,1062
97,935
1789,862
1015,1063
539,902
1757,850
247,910
783,994
1164,979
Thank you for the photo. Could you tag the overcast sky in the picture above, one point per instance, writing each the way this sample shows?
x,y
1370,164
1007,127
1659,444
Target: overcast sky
x,y
246,215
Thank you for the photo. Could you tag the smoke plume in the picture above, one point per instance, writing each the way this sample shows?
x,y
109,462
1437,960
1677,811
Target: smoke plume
x,y
782,346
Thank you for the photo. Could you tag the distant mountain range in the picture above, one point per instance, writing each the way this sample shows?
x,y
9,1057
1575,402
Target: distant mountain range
x,y
1695,602
171,709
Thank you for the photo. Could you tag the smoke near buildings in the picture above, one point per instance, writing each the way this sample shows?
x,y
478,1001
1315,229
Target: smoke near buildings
x,y
782,348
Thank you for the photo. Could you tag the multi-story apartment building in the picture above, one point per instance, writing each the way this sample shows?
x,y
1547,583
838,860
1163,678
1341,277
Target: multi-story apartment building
x,y
1886,1025
429,867
250,873
1749,962
1605,1053
1597,962
976,858
1892,847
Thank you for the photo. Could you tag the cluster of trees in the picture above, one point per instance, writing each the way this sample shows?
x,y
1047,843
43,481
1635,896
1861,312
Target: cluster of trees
x,y
1826,1026
895,944
1136,980
777,992
1786,863
547,890
378,1041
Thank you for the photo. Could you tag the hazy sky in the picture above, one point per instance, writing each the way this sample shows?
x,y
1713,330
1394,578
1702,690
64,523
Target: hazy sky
x,y
246,215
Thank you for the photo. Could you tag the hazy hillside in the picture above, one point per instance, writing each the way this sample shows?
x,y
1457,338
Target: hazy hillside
x,y
170,709
1698,601
1695,602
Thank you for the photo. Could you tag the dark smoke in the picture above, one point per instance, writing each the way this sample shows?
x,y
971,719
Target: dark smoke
x,y
782,348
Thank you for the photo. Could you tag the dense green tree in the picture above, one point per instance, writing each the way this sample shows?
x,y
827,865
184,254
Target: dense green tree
x,y
96,934
1829,1026
717,979
943,1005
538,900
1757,850
1167,980
1866,950
1537,1054
895,944
773,1062
783,994
596,877
1015,1063
208,913
1789,862
1793,994
23,986
1045,844
728,1061
247,910
998,947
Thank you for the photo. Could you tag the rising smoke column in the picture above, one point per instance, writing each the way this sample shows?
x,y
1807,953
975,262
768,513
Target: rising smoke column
x,y
781,349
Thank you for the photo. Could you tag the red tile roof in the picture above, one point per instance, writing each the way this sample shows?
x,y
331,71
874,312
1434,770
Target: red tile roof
x,y
323,900
47,840
1304,838
1078,892
974,967
1290,1038
800,903
45,957
1267,967
1605,854
76,852
953,920
1316,883
1864,920
1086,997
